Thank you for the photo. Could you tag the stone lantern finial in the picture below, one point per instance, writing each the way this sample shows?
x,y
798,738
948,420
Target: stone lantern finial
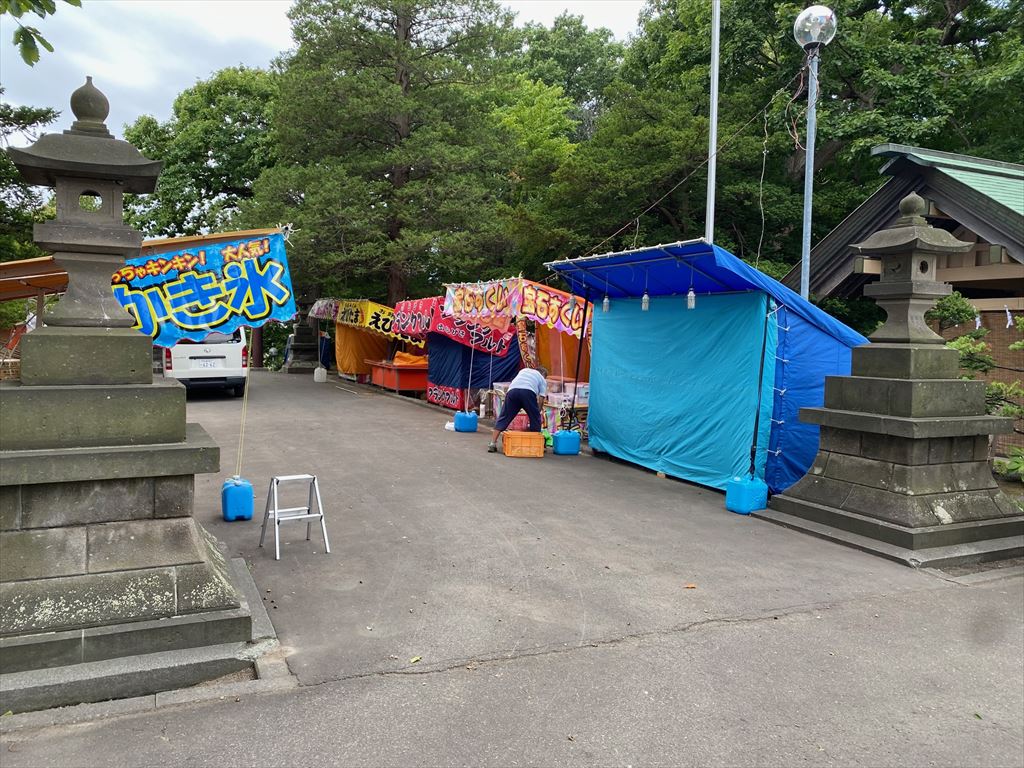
x,y
91,108
913,208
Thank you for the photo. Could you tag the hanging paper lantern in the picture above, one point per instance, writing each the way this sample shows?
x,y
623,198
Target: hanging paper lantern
x,y
645,302
691,299
605,304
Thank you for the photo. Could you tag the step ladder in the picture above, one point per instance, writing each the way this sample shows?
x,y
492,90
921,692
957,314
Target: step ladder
x,y
273,510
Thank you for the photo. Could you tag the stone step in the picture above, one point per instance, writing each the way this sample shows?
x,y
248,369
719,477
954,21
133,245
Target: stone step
x,y
899,535
145,658
914,398
54,355
123,677
930,557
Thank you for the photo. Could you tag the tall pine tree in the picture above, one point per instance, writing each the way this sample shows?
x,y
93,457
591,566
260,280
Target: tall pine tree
x,y
389,164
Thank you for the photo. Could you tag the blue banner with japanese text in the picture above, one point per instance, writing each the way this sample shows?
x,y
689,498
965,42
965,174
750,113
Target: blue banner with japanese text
x,y
213,286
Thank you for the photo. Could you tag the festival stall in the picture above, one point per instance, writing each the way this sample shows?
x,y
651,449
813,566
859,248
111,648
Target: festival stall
x,y
560,340
701,363
364,334
463,355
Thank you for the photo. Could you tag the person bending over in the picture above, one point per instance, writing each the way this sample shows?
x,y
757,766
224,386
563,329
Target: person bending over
x,y
525,393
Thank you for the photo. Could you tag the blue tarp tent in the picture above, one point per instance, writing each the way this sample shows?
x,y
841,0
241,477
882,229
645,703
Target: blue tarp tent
x,y
677,390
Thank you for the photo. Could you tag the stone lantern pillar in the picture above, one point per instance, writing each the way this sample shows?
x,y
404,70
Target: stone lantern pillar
x,y
108,586
903,469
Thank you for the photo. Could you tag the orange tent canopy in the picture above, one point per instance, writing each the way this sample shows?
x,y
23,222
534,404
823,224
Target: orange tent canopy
x,y
28,278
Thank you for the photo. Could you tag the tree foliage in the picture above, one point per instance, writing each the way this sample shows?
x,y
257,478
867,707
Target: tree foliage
x,y
952,310
417,142
214,147
389,161
582,62
28,39
21,205
1001,397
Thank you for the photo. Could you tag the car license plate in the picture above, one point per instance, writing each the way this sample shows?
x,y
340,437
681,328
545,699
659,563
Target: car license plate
x,y
207,363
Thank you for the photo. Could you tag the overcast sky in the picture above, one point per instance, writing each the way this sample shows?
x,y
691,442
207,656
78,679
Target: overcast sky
x,y
142,53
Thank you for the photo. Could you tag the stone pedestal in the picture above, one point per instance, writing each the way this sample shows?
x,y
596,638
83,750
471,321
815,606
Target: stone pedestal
x,y
101,558
903,468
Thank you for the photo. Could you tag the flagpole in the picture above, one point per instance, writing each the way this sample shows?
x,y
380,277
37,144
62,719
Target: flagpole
x,y
709,216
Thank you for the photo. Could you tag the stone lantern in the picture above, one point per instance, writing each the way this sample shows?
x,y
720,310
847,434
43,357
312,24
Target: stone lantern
x,y
903,468
108,586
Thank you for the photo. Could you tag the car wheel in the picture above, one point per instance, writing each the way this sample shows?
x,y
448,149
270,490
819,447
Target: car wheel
x,y
238,391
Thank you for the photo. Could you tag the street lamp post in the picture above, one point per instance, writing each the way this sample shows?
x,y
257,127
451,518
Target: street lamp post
x,y
814,28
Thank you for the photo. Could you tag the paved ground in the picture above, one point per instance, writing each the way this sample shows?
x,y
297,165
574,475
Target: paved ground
x,y
548,603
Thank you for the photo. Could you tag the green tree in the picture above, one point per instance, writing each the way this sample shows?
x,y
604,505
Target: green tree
x,y
27,38
581,61
536,125
952,310
21,205
214,147
940,74
388,164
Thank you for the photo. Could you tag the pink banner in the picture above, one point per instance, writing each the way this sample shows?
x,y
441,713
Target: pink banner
x,y
504,300
421,316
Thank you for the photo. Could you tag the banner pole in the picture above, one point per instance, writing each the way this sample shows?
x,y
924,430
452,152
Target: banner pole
x,y
579,357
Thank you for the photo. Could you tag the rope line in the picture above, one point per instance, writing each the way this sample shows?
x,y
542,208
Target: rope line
x,y
245,408
469,383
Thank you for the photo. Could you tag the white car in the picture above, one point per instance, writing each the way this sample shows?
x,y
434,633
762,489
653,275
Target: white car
x,y
219,360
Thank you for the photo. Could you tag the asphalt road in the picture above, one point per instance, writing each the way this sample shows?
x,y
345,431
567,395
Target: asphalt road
x,y
564,610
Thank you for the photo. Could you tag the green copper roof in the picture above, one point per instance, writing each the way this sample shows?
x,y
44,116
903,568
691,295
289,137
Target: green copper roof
x,y
1002,182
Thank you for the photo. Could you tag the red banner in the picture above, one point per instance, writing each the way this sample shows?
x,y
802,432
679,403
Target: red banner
x,y
449,397
421,316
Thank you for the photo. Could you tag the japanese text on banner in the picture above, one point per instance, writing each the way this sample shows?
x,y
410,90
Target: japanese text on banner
x,y
188,293
505,299
422,316
372,316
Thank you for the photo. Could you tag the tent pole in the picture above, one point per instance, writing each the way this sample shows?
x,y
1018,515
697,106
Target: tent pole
x,y
579,357
760,386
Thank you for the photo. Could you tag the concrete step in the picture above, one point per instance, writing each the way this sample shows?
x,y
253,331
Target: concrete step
x,y
145,674
128,676
931,557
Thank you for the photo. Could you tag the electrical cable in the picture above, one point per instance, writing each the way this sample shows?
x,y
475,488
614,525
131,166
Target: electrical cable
x,y
760,189
721,147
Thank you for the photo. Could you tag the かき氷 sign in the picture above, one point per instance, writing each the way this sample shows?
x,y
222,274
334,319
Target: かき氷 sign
x,y
212,286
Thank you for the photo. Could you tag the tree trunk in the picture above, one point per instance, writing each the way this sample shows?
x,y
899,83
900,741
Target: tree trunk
x,y
399,174
256,351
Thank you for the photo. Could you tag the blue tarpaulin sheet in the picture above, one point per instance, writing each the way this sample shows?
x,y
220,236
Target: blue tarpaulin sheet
x,y
809,345
690,415
448,364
